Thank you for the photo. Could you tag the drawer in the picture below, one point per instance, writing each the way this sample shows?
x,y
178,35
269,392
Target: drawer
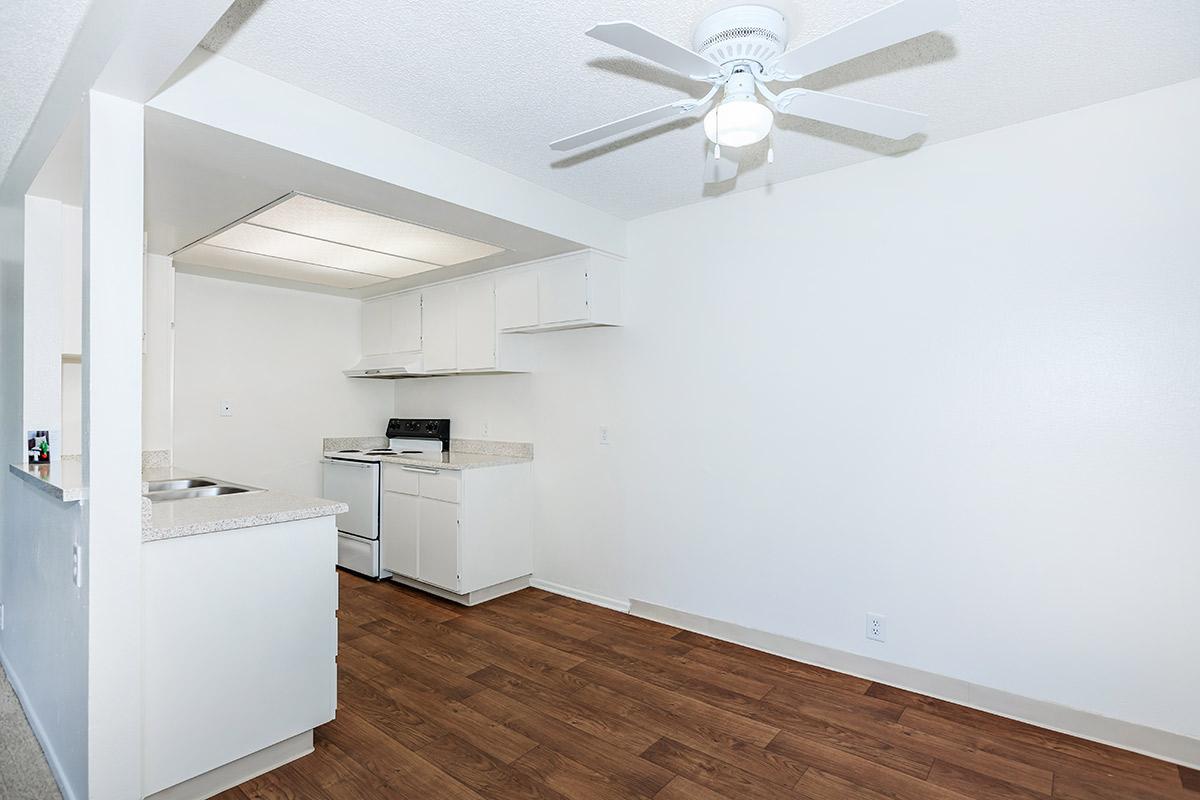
x,y
398,479
441,486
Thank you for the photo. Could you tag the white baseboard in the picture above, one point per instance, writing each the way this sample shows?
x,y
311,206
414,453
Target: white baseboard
x,y
39,732
579,594
238,772
1153,742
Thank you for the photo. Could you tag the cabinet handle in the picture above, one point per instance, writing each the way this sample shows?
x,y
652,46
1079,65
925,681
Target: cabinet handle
x,y
407,468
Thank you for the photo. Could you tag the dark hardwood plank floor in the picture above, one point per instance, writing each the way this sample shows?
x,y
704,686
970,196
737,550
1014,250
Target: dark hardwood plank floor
x,y
540,697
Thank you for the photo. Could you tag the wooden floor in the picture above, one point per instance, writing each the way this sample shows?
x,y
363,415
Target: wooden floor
x,y
539,696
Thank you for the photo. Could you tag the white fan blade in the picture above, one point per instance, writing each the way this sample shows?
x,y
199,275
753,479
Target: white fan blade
x,y
895,23
847,112
678,108
720,169
639,41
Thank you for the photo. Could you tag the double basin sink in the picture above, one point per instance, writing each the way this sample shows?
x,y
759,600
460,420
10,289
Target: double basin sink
x,y
188,488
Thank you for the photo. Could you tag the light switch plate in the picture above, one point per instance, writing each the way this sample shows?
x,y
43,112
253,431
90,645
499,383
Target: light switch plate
x,y
604,437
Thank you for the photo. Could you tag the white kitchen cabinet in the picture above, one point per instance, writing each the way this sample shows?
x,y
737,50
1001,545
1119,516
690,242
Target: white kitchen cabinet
x,y
469,531
578,290
439,543
477,324
236,657
405,318
563,293
439,328
391,324
517,299
376,326
399,523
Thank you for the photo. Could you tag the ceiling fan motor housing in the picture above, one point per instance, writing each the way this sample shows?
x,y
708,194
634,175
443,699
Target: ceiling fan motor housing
x,y
741,33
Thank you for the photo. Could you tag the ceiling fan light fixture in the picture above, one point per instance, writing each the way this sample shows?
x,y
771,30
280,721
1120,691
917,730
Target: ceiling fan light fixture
x,y
738,121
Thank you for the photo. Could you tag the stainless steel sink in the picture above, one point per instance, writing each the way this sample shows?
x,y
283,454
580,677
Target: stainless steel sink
x,y
189,488
179,483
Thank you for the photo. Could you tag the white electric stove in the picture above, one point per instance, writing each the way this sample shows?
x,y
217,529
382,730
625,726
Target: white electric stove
x,y
352,477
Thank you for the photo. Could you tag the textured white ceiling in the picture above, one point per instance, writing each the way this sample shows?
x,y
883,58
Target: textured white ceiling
x,y
498,80
34,35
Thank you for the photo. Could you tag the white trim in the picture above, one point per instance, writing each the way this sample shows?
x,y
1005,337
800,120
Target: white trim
x,y
39,732
238,772
579,594
1152,742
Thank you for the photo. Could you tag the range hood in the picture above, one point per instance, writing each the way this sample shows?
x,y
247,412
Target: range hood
x,y
387,365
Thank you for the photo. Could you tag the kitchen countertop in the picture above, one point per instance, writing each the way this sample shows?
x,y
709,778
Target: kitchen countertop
x,y
64,479
453,460
59,479
175,518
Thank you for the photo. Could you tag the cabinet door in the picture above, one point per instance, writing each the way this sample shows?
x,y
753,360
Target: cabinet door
x,y
562,293
439,328
477,324
406,323
376,326
399,533
438,557
517,300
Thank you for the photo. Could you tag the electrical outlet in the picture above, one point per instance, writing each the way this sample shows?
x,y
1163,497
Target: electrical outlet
x,y
225,409
76,566
485,430
604,435
877,627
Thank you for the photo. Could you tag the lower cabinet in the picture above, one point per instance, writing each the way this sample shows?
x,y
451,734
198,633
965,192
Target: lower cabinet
x,y
458,530
399,545
439,550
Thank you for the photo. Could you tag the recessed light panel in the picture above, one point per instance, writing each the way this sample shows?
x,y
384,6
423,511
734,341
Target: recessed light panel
x,y
320,219
251,238
305,239
239,261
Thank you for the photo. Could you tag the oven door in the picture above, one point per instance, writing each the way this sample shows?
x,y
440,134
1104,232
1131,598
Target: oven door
x,y
356,484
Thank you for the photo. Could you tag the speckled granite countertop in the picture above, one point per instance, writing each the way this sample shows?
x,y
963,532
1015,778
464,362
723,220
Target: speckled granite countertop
x,y
453,460
60,479
63,479
175,518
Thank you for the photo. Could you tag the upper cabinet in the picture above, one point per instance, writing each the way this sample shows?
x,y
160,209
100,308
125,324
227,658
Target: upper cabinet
x,y
439,328
391,324
405,335
469,325
578,290
477,335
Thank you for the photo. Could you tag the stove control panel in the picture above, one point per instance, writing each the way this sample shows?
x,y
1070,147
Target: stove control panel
x,y
436,429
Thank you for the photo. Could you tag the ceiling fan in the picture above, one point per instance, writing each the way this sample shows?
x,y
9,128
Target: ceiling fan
x,y
739,48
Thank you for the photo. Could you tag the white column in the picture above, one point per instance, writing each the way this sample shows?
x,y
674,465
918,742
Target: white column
x,y
112,441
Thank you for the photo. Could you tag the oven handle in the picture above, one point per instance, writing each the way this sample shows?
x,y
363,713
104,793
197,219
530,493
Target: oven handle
x,y
347,463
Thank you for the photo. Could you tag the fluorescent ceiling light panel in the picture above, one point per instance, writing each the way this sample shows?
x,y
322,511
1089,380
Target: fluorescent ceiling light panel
x,y
320,219
238,261
252,238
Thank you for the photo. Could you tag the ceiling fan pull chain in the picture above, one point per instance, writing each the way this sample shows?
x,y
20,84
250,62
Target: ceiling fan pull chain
x,y
717,143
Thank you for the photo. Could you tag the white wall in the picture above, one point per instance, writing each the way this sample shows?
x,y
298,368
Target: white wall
x,y
44,645
277,355
156,356
959,388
